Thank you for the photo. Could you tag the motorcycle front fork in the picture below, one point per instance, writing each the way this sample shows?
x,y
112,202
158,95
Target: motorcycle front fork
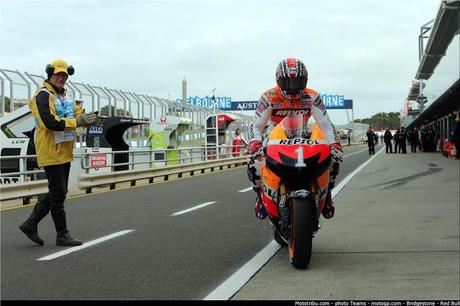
x,y
283,223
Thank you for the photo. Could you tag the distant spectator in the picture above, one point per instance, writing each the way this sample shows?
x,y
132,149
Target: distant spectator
x,y
413,140
387,139
396,141
237,142
437,141
431,147
456,135
402,137
371,141
419,141
424,138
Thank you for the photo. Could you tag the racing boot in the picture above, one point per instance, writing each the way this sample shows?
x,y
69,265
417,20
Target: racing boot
x,y
259,208
328,209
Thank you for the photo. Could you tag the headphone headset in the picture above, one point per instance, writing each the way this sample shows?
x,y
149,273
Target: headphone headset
x,y
50,70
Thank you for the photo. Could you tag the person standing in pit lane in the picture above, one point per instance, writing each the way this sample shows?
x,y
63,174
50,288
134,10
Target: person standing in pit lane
x,y
371,141
387,138
56,117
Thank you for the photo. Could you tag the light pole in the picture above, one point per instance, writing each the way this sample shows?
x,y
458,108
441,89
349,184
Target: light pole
x,y
213,98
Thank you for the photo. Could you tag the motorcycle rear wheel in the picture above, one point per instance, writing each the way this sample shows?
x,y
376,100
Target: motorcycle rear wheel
x,y
300,244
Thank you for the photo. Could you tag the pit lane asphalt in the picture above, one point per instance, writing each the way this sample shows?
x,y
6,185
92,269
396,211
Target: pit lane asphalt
x,y
166,257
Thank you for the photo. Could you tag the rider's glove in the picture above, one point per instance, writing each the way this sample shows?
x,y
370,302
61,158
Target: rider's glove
x,y
255,146
336,152
85,119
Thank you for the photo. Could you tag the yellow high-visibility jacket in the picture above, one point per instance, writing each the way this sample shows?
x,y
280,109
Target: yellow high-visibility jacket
x,y
55,116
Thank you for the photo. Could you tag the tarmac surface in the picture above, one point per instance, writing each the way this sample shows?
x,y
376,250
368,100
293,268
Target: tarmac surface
x,y
395,235
164,256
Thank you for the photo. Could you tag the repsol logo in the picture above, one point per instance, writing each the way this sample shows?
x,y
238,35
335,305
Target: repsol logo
x,y
296,141
286,112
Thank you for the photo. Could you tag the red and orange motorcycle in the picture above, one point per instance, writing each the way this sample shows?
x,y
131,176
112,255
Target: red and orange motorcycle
x,y
295,178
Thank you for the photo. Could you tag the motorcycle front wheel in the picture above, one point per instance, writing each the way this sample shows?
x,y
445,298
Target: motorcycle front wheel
x,y
300,244
277,237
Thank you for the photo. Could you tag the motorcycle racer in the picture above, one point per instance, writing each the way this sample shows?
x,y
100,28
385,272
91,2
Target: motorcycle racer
x,y
291,97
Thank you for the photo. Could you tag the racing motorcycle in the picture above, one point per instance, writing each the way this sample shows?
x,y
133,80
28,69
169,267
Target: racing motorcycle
x,y
295,178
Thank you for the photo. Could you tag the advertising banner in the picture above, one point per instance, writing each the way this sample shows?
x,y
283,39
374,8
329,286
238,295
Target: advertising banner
x,y
244,105
226,103
209,102
336,102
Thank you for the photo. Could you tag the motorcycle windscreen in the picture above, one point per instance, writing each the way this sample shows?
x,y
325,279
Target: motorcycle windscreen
x,y
292,154
293,125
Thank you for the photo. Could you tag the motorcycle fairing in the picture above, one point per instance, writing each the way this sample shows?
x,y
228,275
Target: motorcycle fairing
x,y
283,161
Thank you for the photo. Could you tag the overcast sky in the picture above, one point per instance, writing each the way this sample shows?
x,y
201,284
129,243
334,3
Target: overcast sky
x,y
366,50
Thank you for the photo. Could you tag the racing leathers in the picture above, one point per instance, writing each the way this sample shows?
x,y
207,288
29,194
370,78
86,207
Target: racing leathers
x,y
272,107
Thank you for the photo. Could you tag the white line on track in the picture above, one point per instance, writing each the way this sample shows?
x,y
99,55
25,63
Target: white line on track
x,y
84,245
235,282
246,189
193,208
356,152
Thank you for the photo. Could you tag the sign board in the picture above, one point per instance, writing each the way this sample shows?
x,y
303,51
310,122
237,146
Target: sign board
x,y
336,102
209,102
331,102
98,160
226,103
244,105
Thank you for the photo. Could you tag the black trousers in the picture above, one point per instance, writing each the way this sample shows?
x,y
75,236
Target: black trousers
x,y
402,147
58,180
388,146
371,148
413,147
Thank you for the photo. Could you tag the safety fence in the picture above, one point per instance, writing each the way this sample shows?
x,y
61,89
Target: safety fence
x,y
186,155
190,160
107,101
89,181
25,162
17,88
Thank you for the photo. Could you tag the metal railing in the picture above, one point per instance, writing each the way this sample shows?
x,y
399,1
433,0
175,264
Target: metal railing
x,y
21,160
88,181
28,183
117,102
191,159
186,155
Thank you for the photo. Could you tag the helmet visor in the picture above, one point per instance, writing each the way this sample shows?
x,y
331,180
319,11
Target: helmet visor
x,y
292,86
